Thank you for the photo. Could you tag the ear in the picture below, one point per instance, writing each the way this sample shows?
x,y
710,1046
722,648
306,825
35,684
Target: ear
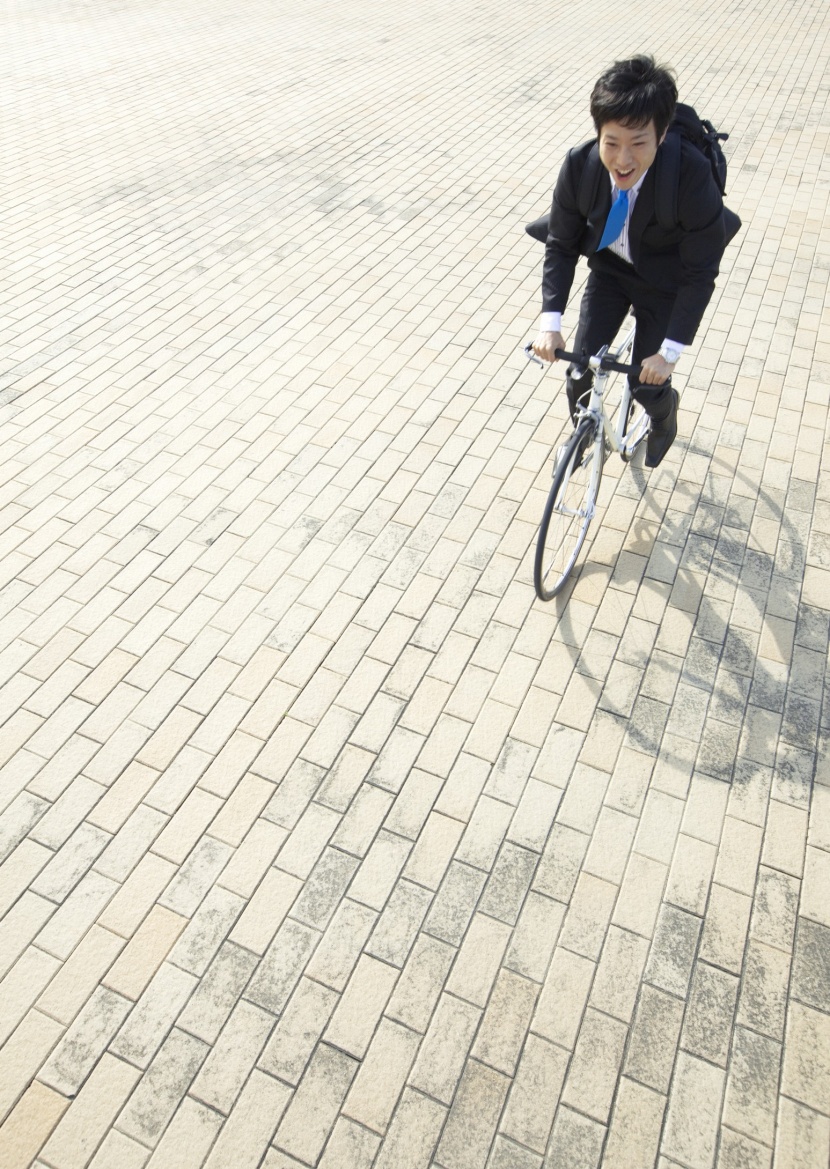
x,y
663,139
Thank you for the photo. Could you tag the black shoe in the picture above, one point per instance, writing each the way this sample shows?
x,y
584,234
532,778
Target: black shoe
x,y
662,434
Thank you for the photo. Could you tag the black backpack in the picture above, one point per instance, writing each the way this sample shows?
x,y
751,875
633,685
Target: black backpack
x,y
702,135
705,138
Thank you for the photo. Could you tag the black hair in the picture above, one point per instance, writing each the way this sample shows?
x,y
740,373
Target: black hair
x,y
635,92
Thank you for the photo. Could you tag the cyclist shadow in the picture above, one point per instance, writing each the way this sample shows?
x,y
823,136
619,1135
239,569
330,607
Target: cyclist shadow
x,y
731,681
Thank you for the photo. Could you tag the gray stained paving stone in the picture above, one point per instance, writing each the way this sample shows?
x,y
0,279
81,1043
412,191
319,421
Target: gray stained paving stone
x,y
323,843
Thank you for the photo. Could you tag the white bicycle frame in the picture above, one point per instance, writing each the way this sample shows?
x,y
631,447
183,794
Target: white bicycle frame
x,y
624,444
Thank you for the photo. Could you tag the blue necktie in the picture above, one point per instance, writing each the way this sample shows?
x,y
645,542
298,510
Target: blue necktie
x,y
615,221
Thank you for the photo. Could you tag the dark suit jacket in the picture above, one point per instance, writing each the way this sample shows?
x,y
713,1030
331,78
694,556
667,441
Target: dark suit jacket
x,y
683,260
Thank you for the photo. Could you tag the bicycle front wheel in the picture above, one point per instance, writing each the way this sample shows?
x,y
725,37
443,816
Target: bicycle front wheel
x,y
569,510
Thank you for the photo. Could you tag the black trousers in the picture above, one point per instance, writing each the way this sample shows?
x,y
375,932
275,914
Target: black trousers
x,y
612,289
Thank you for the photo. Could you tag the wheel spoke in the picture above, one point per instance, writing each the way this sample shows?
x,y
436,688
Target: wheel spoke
x,y
569,511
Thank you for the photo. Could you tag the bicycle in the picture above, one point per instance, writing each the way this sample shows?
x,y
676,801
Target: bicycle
x,y
577,474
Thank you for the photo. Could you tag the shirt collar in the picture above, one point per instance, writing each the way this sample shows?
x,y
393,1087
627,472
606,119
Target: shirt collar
x,y
635,190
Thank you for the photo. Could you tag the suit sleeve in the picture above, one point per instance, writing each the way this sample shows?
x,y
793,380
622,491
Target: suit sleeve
x,y
567,227
700,210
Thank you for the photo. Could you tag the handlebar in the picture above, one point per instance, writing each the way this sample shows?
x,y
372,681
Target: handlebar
x,y
604,363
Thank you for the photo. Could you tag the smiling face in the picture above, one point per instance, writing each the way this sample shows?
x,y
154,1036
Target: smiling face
x,y
627,151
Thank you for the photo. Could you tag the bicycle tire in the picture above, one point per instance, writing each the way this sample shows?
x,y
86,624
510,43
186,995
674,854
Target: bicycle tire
x,y
568,511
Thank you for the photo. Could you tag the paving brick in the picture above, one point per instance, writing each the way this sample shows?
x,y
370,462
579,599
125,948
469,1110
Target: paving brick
x,y
710,1013
654,1038
395,932
232,1057
619,972
298,1030
65,929
160,1090
536,1088
241,809
30,1124
342,942
84,1042
281,966
774,908
217,992
752,1085
413,1134
83,1125
358,832
694,1108
576,1140
383,1072
80,974
592,1076
561,1005
806,1069
252,858
433,850
196,877
766,977
363,1001
24,863
350,1144
265,911
634,1133
587,918
478,960
206,931
188,824
445,1047
133,900
736,1149
673,950
690,874
153,1014
725,927
145,952
471,1124
738,855
314,1107
119,1152
247,1132
802,1137
508,884
22,986
188,1138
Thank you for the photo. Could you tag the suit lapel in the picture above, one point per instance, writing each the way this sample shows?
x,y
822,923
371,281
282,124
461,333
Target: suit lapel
x,y
601,207
642,213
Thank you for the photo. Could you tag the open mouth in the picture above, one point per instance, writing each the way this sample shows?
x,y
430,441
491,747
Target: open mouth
x,y
623,176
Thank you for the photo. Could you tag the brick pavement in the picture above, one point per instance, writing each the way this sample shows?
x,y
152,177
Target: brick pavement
x,y
324,843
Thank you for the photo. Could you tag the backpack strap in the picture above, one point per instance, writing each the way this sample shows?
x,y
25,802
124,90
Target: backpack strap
x,y
589,180
667,182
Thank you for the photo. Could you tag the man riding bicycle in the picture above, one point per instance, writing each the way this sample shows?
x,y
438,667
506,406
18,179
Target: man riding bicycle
x,y
664,273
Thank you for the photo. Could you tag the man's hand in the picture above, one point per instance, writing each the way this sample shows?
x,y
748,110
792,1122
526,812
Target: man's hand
x,y
546,343
655,371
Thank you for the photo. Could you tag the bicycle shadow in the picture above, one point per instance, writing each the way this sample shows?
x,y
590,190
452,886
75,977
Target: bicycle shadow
x,y
730,681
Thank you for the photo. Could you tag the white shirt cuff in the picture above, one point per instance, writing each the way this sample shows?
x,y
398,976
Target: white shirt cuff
x,y
674,345
551,323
